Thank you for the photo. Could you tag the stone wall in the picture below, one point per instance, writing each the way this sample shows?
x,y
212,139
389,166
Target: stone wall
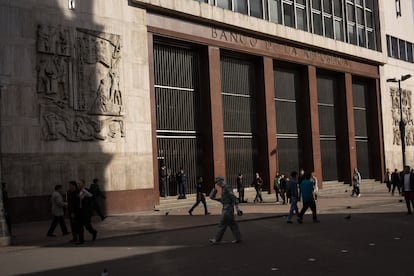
x,y
77,103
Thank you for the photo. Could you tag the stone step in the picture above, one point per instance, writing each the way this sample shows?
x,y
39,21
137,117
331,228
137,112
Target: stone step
x,y
170,203
366,186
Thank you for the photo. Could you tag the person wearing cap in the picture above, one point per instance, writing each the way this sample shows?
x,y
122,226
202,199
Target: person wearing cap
x,y
228,200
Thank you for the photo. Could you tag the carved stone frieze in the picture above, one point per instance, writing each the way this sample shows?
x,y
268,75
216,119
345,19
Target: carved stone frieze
x,y
402,110
78,84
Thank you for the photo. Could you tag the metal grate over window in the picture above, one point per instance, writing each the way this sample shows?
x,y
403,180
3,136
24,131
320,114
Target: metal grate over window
x,y
239,115
176,77
327,102
287,92
360,96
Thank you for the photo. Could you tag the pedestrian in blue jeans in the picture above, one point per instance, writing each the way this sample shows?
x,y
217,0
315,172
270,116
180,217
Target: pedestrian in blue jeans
x,y
292,195
307,189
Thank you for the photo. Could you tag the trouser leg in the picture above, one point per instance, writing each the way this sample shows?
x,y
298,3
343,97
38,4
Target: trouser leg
x,y
203,200
195,205
62,224
313,208
222,228
234,227
53,226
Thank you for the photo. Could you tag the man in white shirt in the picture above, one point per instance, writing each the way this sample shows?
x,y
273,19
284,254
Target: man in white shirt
x,y
407,185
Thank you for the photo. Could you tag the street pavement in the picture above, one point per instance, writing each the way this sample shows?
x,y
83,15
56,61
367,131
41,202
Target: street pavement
x,y
359,236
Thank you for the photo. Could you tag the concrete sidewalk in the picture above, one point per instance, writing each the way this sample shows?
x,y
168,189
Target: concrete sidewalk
x,y
34,234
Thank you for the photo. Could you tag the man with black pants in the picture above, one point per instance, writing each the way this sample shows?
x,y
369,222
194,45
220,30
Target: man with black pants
x,y
84,213
395,181
306,189
200,197
407,185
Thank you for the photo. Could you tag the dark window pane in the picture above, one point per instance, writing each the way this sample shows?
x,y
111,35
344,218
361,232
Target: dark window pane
x,y
301,19
370,19
317,24
337,8
329,160
286,120
327,6
352,34
363,158
240,6
289,154
389,45
339,31
410,52
256,8
302,2
351,12
402,49
361,37
316,4
360,16
394,47
203,1
359,2
275,13
359,94
328,27
369,4
225,4
288,11
371,40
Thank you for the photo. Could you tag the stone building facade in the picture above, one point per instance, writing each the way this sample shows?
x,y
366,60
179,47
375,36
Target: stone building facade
x,y
112,89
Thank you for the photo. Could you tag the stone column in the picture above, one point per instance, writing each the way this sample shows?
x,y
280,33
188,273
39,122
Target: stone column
x,y
312,145
267,123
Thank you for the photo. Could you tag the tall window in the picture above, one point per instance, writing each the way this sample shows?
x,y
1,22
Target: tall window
x,y
351,21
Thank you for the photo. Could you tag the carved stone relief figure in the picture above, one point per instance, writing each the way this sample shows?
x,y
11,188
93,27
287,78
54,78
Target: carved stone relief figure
x,y
85,105
397,136
405,113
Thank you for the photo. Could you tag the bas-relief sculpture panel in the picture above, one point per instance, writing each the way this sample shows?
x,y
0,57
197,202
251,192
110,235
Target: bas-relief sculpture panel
x,y
406,111
78,84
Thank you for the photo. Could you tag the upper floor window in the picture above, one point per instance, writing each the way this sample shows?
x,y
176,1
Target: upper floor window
x,y
400,49
351,21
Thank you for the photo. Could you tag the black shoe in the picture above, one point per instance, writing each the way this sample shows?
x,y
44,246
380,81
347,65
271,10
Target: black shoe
x,y
94,235
51,235
103,218
79,242
316,221
208,213
190,212
66,233
236,241
299,220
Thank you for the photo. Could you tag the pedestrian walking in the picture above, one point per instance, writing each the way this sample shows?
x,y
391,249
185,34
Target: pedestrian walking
x,y
356,180
307,189
229,202
163,179
72,200
301,177
388,179
395,178
199,197
182,184
57,204
276,185
5,198
292,195
407,185
84,213
240,187
314,181
283,180
257,183
97,197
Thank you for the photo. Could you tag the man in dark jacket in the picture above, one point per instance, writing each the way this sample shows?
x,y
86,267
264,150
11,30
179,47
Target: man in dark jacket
x,y
97,196
200,197
407,185
240,187
182,183
72,199
395,181
83,212
258,183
